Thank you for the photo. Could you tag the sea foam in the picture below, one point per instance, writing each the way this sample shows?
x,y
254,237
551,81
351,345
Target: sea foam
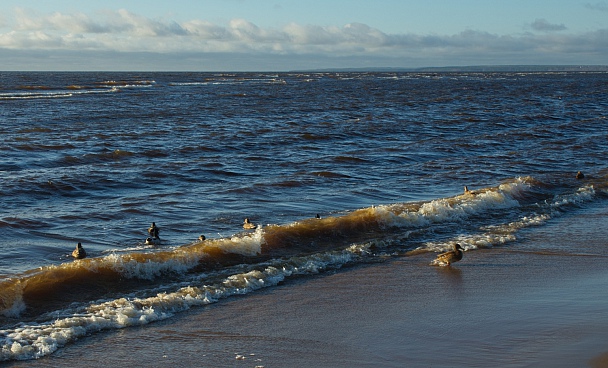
x,y
35,340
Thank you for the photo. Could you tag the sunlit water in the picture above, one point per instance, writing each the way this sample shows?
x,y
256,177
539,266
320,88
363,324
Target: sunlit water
x,y
381,157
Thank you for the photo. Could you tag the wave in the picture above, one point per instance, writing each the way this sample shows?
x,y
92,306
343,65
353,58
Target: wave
x,y
37,340
329,174
49,307
127,83
232,80
71,92
34,92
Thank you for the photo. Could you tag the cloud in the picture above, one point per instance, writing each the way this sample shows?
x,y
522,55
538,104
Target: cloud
x,y
117,22
543,25
601,6
125,33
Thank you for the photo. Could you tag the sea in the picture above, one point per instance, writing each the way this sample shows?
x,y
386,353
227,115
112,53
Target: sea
x,y
335,170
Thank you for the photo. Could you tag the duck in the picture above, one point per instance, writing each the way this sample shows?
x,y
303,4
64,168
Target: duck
x,y
202,238
248,224
79,252
447,258
579,175
153,231
152,241
318,216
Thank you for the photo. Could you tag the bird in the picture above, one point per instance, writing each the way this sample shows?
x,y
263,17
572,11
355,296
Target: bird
x,y
79,252
318,216
248,224
152,241
153,231
579,175
202,238
447,258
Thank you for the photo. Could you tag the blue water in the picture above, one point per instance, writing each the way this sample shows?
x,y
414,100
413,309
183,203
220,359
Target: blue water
x,y
381,157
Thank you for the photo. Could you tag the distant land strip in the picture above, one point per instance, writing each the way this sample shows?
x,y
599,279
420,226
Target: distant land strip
x,y
477,68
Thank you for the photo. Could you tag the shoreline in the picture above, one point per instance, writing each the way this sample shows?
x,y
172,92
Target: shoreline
x,y
499,307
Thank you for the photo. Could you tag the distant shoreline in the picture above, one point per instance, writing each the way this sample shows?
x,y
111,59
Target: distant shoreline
x,y
430,69
476,68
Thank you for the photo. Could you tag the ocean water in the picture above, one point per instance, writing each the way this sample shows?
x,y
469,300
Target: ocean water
x,y
382,158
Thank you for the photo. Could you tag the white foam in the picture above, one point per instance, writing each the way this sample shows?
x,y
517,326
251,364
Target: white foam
x,y
454,209
232,81
31,96
504,233
582,195
51,94
18,305
37,340
178,260
131,268
247,245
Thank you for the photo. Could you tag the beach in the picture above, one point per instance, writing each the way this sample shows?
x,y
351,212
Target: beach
x,y
382,157
523,305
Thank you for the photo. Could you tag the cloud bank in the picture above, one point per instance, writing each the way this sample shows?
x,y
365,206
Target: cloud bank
x,y
601,6
124,33
543,25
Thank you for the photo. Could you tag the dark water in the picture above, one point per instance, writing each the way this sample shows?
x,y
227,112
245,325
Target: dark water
x,y
381,157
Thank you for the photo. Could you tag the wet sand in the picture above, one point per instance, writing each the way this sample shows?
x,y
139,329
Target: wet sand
x,y
495,308
503,307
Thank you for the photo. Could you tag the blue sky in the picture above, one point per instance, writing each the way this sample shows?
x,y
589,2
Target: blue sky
x,y
279,35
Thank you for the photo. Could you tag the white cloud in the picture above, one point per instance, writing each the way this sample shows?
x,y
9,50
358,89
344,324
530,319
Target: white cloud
x,y
125,32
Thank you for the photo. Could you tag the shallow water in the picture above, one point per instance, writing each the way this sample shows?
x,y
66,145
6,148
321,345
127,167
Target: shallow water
x,y
505,305
381,157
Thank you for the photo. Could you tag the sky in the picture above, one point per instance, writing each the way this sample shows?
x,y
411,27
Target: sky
x,y
285,35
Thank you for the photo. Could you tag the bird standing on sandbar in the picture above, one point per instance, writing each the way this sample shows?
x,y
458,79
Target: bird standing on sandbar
x,y
153,231
79,252
447,258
